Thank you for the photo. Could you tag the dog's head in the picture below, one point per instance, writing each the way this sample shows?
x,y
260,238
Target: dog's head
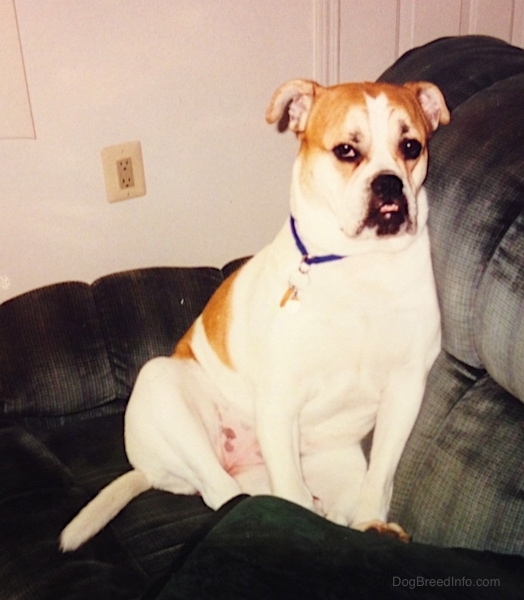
x,y
362,161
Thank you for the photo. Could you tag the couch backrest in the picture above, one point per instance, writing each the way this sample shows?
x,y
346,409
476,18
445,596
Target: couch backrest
x,y
72,348
476,192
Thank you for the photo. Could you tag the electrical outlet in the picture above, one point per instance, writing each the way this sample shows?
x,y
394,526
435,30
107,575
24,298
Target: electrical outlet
x,y
123,171
124,168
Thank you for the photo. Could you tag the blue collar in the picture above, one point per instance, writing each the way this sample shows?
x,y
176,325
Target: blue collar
x,y
306,257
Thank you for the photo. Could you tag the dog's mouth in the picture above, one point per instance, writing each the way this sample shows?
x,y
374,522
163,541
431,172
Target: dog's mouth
x,y
388,210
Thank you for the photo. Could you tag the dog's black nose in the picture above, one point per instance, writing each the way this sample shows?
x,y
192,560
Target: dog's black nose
x,y
388,209
387,187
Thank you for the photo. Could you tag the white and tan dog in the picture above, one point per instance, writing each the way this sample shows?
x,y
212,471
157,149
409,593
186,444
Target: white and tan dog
x,y
325,334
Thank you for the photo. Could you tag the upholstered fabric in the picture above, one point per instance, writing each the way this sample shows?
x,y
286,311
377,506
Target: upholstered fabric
x,y
266,548
143,313
476,191
68,356
464,462
47,335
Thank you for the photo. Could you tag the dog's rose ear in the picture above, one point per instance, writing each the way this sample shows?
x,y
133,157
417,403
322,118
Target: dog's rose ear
x,y
291,103
432,102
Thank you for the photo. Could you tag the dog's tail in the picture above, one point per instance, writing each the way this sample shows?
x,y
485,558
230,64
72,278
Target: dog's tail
x,y
104,507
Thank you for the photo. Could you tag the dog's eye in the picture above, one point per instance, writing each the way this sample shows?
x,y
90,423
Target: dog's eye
x,y
410,149
346,153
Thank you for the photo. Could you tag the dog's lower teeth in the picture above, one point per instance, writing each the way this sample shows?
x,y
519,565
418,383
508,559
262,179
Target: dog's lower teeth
x,y
389,208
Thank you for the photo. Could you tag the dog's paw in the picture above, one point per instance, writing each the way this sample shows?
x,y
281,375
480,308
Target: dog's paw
x,y
391,530
338,517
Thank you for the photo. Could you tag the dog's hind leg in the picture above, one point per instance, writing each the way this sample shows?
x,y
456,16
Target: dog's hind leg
x,y
172,431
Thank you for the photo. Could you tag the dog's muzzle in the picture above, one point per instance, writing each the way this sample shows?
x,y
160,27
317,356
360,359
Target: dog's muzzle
x,y
388,209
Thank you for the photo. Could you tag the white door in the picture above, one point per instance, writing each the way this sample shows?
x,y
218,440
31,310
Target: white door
x,y
359,39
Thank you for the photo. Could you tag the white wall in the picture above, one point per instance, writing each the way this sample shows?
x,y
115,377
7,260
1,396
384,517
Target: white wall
x,y
16,120
191,80
374,33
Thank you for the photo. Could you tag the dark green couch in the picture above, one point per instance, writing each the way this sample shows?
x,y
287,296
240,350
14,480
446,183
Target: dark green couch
x,y
69,354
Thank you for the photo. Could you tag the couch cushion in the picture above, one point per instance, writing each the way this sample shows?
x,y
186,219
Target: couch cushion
x,y
475,187
145,311
46,476
460,481
461,66
499,309
53,358
69,348
476,201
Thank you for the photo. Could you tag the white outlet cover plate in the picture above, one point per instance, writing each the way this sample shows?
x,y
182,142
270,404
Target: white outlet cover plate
x,y
110,156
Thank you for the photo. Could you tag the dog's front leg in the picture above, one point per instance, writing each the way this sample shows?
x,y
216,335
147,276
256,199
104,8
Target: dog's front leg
x,y
279,439
396,416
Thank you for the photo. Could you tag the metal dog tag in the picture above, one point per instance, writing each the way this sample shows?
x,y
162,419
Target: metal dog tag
x,y
297,282
290,300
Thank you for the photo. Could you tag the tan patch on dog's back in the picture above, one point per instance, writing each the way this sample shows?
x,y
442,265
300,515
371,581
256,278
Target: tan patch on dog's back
x,y
183,349
216,319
